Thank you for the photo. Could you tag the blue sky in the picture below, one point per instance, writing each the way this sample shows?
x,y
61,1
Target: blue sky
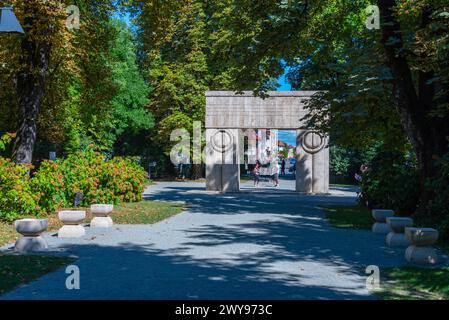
x,y
286,136
283,84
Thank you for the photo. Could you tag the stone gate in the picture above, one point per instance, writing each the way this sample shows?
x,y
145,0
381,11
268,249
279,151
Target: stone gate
x,y
229,118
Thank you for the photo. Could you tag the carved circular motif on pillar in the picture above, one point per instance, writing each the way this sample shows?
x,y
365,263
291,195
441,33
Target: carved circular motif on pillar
x,y
313,142
221,141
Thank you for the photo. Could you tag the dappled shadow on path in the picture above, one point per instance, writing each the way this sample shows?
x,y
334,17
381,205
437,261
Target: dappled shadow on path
x,y
223,247
133,271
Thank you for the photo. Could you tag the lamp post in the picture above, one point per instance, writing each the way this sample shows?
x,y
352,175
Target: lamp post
x,y
9,22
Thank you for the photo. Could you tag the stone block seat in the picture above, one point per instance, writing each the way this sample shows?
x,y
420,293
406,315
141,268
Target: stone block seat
x,y
31,229
101,214
421,251
380,216
397,238
72,224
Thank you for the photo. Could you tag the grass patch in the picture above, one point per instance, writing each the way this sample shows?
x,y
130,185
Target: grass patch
x,y
19,270
7,233
411,283
349,217
244,179
144,212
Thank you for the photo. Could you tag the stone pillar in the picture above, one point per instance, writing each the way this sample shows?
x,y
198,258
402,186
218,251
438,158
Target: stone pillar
x,y
213,163
312,167
381,215
222,160
397,238
421,250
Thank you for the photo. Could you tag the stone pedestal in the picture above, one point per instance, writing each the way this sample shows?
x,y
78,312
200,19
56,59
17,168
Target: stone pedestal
x,y
101,214
397,238
380,216
31,229
72,224
312,163
421,250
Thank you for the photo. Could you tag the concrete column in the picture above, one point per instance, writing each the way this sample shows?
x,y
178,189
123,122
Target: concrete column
x,y
321,171
312,168
213,162
304,166
222,160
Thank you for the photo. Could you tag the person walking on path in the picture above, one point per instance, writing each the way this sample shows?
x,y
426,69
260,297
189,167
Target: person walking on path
x,y
256,173
283,167
275,174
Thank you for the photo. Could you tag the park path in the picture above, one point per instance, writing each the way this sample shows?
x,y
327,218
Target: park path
x,y
224,246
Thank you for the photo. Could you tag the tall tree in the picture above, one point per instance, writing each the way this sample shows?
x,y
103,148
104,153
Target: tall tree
x,y
44,30
420,78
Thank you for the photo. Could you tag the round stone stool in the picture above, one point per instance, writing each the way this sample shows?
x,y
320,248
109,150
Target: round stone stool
x,y
397,238
31,229
421,250
101,214
381,215
72,224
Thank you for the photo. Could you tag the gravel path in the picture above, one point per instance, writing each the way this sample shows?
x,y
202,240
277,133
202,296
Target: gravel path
x,y
233,246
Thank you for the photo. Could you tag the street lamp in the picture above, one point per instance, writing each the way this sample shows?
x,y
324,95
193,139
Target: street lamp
x,y
9,22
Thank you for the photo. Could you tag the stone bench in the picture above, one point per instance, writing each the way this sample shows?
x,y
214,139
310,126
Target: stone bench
x,y
396,237
31,229
421,251
72,224
381,215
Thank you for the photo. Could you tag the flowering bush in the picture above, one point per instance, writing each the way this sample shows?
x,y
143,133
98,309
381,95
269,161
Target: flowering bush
x,y
49,187
56,182
16,197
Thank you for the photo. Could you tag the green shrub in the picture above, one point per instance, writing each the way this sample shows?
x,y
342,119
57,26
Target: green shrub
x,y
436,214
125,178
16,197
392,182
100,181
49,187
82,172
55,184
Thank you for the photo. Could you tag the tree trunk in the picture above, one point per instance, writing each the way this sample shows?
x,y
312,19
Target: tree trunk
x,y
414,100
30,90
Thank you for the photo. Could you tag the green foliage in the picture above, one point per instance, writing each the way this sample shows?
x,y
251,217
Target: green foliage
x,y
16,196
437,211
55,183
5,140
392,182
95,92
48,185
114,181
346,162
339,161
